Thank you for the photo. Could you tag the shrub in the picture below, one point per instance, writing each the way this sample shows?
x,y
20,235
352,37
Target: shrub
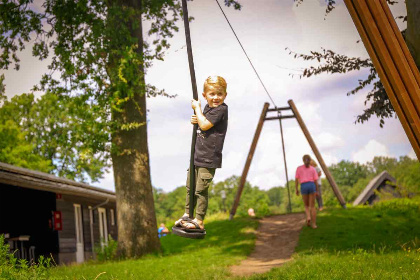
x,y
108,251
13,268
401,205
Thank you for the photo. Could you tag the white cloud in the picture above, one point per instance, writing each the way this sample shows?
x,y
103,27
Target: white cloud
x,y
370,150
328,141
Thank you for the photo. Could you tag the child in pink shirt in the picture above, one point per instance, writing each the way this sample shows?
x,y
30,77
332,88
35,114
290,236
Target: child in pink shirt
x,y
307,177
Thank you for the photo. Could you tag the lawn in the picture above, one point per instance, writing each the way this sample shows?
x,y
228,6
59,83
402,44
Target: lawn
x,y
227,242
358,243
380,242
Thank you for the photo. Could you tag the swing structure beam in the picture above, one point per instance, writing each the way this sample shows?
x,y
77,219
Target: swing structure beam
x,y
292,107
392,60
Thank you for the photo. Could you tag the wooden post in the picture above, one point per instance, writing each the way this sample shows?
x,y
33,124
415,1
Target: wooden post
x,y
289,207
249,160
317,154
393,62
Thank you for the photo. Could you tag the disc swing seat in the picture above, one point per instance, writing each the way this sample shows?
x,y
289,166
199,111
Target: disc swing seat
x,y
180,229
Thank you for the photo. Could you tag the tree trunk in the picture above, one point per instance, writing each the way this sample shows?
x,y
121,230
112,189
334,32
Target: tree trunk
x,y
412,35
137,227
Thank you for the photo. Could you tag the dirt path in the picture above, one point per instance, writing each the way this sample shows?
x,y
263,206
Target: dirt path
x,y
277,238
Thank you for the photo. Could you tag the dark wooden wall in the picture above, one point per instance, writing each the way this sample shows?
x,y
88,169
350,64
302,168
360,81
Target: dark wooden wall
x,y
67,236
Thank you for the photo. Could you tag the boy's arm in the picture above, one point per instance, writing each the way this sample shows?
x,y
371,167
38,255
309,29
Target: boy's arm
x,y
203,123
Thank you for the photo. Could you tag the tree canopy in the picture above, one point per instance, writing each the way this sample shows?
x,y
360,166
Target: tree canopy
x,y
330,62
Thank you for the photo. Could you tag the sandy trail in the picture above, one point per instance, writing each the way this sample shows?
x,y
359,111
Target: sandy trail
x,y
277,237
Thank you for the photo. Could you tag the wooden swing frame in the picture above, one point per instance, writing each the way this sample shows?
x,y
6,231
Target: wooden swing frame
x,y
295,114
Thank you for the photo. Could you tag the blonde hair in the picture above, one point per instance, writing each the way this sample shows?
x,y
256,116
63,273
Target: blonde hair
x,y
215,81
313,163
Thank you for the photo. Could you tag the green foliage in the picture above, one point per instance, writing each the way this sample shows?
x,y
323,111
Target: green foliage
x,y
16,150
352,177
408,207
108,251
58,130
347,173
275,194
170,206
407,174
20,269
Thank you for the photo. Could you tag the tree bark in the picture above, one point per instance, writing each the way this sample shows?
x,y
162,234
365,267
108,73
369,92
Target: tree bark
x,y
412,36
137,227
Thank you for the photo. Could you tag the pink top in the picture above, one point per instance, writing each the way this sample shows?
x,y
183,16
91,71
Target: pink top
x,y
305,174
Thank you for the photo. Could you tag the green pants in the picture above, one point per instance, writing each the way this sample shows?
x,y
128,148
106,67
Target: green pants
x,y
203,178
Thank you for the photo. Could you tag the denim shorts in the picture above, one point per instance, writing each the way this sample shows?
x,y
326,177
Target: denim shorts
x,y
307,188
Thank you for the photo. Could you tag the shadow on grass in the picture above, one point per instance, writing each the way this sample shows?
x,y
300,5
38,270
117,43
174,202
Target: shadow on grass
x,y
367,228
236,237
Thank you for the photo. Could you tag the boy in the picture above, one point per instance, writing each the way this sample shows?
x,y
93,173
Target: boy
x,y
212,126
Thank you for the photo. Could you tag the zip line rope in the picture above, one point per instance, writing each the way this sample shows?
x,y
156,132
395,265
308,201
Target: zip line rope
x,y
255,70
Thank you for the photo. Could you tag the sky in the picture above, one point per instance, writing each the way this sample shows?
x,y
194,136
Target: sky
x,y
266,28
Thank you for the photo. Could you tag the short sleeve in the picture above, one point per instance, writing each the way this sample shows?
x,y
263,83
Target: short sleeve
x,y
297,173
215,115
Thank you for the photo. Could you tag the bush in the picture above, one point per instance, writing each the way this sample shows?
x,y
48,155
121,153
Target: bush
x,y
108,251
13,268
402,205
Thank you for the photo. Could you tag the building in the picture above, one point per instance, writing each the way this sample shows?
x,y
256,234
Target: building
x,y
380,183
41,214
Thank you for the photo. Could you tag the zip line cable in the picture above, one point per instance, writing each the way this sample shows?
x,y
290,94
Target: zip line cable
x,y
255,70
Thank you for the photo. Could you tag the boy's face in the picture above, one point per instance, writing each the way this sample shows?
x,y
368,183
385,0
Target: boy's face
x,y
215,96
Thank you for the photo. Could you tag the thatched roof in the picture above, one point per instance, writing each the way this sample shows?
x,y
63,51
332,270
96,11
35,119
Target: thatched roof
x,y
372,186
22,177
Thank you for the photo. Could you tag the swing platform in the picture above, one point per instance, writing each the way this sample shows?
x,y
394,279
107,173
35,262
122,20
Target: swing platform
x,y
189,233
196,233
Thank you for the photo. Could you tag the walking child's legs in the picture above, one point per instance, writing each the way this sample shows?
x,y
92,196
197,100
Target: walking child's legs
x,y
311,198
319,198
305,198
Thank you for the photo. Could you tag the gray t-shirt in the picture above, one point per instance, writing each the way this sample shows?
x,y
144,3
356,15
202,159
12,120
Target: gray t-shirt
x,y
209,145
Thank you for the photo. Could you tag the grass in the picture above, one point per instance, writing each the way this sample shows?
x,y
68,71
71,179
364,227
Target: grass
x,y
359,243
227,242
380,242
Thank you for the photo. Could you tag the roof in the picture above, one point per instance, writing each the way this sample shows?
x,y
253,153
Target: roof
x,y
372,186
26,178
